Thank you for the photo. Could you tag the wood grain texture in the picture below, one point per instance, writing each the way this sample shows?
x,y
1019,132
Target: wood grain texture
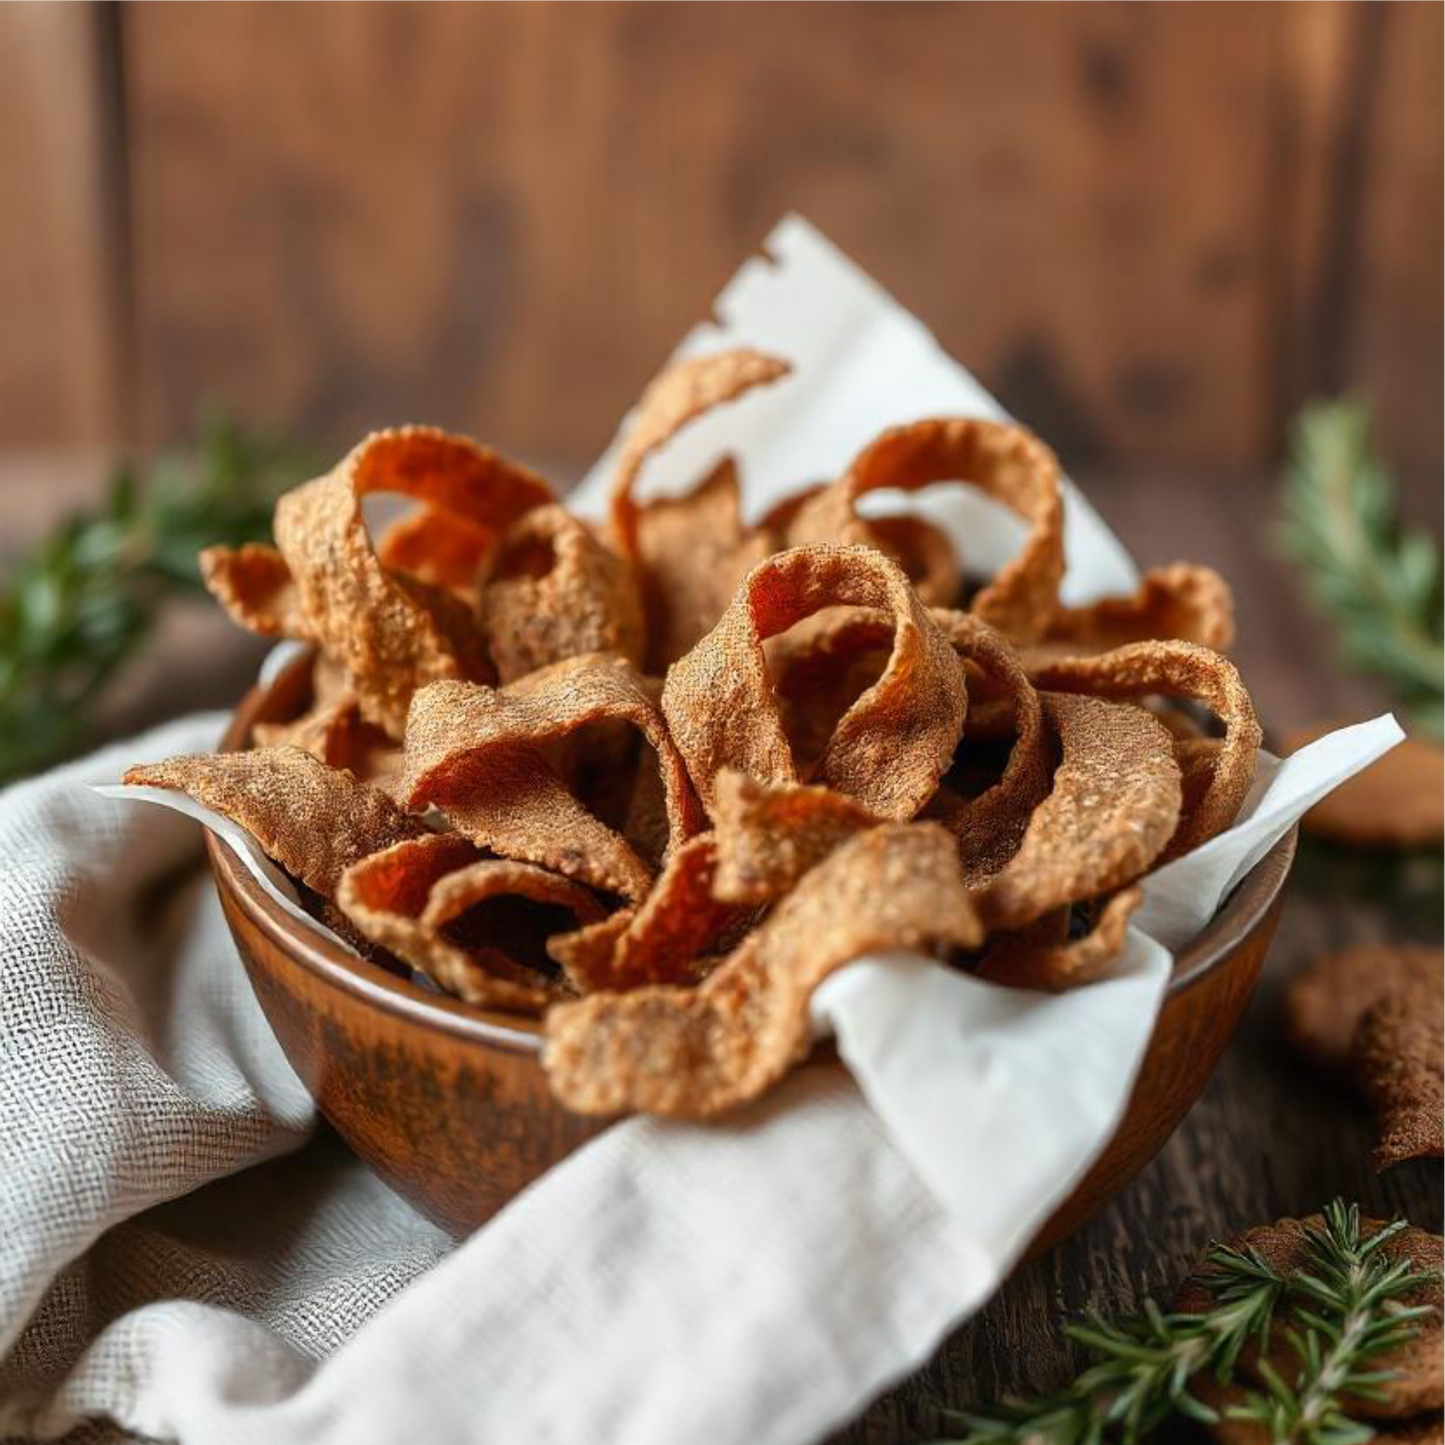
x,y
1152,229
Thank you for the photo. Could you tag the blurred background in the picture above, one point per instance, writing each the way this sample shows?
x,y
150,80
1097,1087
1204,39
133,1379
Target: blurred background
x,y
1152,230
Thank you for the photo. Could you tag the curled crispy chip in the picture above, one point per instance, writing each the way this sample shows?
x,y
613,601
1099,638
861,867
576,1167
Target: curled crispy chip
x,y
682,392
1398,1055
477,926
394,633
1325,1001
695,1052
923,553
1003,460
1184,601
990,826
254,584
436,546
1112,808
1411,1378
692,552
313,820
891,746
663,941
478,753
552,591
770,834
1025,960
1177,669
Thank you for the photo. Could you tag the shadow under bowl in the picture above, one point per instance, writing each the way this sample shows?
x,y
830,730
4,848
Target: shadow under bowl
x,y
450,1106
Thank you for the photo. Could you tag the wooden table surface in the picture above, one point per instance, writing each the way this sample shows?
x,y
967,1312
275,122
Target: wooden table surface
x,y
1267,1139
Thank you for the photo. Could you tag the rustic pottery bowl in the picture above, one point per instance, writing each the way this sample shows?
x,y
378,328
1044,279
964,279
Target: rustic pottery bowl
x,y
450,1106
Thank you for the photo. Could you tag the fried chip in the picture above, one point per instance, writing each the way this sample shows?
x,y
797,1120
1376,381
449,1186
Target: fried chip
x,y
438,547
892,745
770,834
923,553
1113,805
1325,1001
663,941
255,586
1025,960
692,553
1177,669
695,1052
1414,1378
1397,802
394,633
553,591
478,754
1183,601
1398,1054
313,820
990,827
1004,461
414,898
683,391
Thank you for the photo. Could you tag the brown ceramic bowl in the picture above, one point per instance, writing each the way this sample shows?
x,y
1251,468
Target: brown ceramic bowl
x,y
450,1106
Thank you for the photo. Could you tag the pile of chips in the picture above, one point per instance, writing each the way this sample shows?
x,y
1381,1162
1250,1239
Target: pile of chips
x,y
653,782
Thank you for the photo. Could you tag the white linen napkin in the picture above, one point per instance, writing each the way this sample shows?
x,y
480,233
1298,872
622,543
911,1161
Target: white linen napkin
x,y
753,1281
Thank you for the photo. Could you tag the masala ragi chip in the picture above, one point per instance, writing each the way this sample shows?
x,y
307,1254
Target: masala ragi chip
x,y
553,591
923,553
313,820
480,754
477,926
1182,601
891,746
1031,959
1005,462
770,834
255,586
393,632
437,546
692,552
1325,1001
694,1052
665,940
1177,669
1113,805
1398,1055
990,826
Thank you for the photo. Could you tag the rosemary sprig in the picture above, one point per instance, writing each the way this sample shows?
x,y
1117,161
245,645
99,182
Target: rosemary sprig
x,y
1342,1312
76,607
1377,580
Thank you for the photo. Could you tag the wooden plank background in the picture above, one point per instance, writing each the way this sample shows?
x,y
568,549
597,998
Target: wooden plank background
x,y
1152,229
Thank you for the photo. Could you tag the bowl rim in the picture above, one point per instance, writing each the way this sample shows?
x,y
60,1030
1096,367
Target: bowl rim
x,y
1244,910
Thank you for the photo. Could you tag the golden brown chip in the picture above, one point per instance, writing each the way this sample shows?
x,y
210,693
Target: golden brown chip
x,y
553,591
1020,960
696,1052
1004,461
475,925
394,633
1184,601
438,547
1399,1057
924,554
313,820
692,553
770,834
1397,802
1177,669
663,941
478,754
1417,1365
1325,1001
254,584
990,826
892,745
680,393
1113,805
